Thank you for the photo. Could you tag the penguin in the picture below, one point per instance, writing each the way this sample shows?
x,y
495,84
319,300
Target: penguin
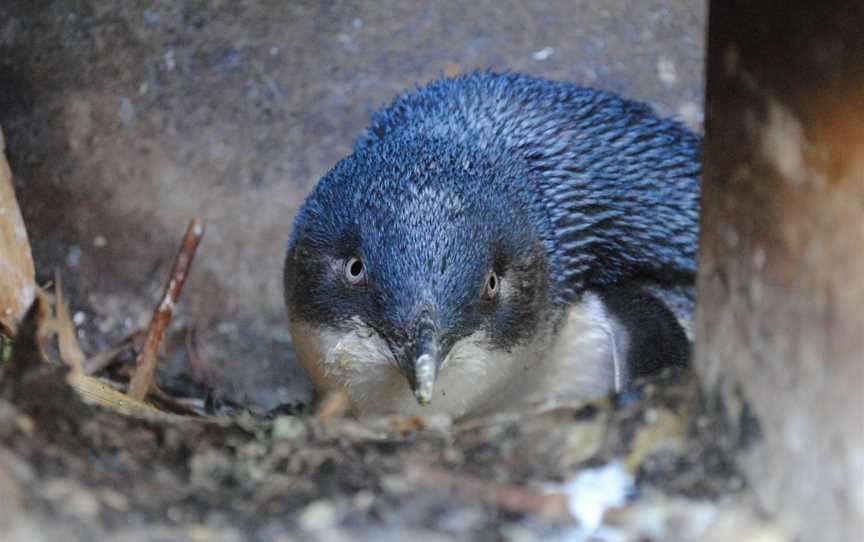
x,y
496,241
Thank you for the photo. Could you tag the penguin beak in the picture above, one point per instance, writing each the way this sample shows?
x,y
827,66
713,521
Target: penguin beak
x,y
424,361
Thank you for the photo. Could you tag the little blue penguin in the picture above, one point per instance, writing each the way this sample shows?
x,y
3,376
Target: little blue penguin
x,y
495,242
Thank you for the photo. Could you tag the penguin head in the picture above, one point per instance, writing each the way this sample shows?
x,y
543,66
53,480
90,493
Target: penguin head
x,y
404,250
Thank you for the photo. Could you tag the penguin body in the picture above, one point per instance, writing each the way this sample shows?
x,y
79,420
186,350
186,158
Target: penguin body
x,y
496,241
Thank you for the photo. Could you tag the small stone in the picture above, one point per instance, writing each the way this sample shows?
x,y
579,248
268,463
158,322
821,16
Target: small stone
x,y
513,532
318,515
127,111
74,498
73,257
364,500
114,500
652,416
288,428
151,17
25,424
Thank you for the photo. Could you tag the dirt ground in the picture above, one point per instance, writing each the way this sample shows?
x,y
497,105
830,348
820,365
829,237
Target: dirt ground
x,y
75,472
125,120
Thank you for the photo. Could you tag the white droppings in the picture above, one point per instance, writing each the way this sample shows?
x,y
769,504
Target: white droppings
x,y
79,318
666,71
100,241
593,491
543,54
170,62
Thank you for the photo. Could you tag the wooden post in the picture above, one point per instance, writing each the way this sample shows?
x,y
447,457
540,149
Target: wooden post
x,y
780,322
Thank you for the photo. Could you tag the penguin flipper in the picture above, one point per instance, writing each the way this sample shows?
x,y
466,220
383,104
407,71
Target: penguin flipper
x,y
646,334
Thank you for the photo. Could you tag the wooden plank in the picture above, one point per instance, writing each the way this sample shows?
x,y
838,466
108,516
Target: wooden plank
x,y
780,322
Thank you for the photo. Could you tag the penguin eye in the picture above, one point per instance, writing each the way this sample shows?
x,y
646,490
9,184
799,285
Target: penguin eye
x,y
355,271
492,287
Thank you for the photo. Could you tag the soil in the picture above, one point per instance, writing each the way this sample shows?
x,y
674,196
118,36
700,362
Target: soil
x,y
79,472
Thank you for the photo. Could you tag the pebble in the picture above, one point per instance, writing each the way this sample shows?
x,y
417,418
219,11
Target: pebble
x,y
288,428
318,515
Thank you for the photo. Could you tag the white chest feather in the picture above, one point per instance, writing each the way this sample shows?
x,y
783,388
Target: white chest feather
x,y
574,364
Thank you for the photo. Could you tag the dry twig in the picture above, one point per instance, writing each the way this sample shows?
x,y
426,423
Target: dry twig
x,y
104,358
548,507
145,365
67,342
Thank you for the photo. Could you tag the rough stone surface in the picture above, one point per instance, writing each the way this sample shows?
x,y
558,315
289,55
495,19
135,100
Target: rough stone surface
x,y
125,119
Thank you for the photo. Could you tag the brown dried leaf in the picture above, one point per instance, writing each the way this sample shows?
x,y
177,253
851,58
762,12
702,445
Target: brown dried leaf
x,y
17,277
546,506
45,323
95,391
67,341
